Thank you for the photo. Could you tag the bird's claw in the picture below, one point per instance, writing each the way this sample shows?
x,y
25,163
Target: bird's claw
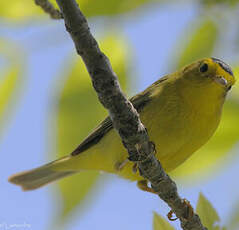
x,y
143,185
190,211
120,165
170,216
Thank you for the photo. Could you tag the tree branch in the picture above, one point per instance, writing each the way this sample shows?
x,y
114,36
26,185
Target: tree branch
x,y
124,117
49,9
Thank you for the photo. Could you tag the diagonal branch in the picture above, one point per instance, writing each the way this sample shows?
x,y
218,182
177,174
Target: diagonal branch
x,y
125,118
49,9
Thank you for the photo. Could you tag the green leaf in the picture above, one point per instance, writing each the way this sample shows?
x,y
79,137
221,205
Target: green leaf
x,y
79,112
11,80
7,87
161,224
207,213
200,44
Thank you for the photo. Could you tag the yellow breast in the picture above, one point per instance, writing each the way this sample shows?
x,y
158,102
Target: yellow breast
x,y
179,121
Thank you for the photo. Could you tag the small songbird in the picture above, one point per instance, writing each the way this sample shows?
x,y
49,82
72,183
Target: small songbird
x,y
181,111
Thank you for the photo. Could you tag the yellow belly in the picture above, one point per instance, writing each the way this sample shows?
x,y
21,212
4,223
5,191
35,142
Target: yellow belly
x,y
176,132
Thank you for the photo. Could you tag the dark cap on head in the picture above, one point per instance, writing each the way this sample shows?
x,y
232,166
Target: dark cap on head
x,y
225,66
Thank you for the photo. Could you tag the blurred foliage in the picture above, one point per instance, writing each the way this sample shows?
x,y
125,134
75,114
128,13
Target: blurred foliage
x,y
207,213
216,2
7,88
234,94
96,8
79,112
200,44
161,223
15,9
26,9
22,10
11,79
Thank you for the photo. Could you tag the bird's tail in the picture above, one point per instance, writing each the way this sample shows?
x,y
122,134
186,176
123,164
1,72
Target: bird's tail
x,y
40,176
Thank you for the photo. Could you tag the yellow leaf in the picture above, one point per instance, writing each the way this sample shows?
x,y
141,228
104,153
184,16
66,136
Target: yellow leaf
x,y
79,112
161,224
109,7
10,80
7,86
199,45
16,9
207,213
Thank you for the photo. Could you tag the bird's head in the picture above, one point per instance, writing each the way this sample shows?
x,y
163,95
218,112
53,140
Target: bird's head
x,y
210,73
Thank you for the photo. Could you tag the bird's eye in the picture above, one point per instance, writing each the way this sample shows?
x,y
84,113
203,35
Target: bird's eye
x,y
229,88
204,68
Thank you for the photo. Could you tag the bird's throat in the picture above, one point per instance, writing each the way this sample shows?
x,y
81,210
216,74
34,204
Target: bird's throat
x,y
203,99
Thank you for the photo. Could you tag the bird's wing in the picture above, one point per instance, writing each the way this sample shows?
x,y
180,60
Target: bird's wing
x,y
94,137
139,101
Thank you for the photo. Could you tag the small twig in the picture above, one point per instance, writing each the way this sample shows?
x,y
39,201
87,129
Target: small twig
x,y
49,9
124,117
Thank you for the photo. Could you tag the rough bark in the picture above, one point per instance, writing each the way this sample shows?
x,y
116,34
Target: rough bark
x,y
49,9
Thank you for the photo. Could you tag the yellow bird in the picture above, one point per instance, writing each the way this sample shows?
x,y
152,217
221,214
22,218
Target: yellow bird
x,y
181,111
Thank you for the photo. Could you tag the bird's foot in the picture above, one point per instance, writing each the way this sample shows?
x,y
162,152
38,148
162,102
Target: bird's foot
x,y
190,211
143,185
120,165
170,216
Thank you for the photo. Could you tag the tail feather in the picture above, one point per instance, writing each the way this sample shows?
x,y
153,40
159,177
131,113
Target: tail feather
x,y
38,177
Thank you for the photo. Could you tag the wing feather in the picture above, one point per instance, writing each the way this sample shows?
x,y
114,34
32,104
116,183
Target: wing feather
x,y
139,102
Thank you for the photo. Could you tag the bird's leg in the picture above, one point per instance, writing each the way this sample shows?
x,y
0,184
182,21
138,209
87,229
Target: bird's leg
x,y
190,211
120,165
143,185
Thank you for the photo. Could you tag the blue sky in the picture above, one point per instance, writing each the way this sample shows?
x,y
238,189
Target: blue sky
x,y
25,144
